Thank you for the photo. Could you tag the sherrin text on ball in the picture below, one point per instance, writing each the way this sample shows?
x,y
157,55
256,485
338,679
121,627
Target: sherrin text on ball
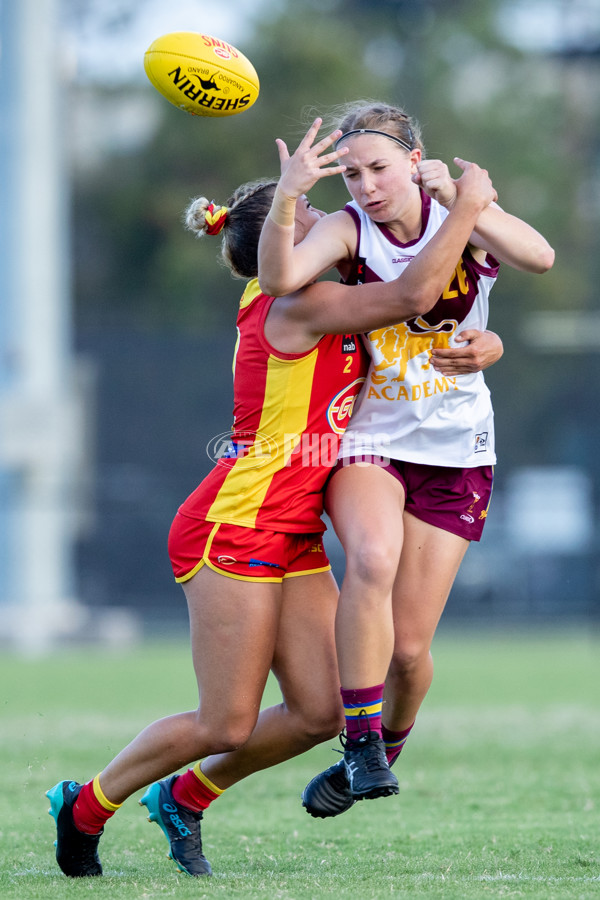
x,y
201,74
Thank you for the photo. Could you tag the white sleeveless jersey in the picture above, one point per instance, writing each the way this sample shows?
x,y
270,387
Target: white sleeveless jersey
x,y
406,410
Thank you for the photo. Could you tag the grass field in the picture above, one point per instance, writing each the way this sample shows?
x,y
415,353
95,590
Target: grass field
x,y
499,783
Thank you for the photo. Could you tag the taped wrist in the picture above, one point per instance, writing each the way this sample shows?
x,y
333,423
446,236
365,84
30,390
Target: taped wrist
x,y
283,209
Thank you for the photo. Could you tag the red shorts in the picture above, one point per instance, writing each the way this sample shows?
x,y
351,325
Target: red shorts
x,y
243,553
456,500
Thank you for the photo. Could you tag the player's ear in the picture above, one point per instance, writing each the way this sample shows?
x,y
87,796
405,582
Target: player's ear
x,y
415,159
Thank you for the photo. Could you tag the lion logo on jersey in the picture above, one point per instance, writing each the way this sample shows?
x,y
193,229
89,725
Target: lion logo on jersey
x,y
398,344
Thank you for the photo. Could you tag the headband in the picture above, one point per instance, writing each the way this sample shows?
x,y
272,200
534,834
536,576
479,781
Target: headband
x,y
215,220
374,131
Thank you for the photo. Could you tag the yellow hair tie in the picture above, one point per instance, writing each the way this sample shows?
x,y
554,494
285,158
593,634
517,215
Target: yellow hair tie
x,y
215,220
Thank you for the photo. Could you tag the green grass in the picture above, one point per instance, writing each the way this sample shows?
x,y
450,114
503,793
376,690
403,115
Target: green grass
x,y
499,783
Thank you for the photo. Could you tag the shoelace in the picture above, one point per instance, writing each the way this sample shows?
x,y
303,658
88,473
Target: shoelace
x,y
372,758
363,719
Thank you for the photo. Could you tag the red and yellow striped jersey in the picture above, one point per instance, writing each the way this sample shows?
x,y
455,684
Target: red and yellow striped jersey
x,y
290,410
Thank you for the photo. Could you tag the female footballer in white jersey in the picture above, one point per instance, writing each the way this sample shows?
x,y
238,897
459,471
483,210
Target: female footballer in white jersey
x,y
414,477
246,544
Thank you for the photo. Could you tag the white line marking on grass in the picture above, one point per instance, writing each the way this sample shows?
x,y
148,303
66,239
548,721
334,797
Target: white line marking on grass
x,y
501,876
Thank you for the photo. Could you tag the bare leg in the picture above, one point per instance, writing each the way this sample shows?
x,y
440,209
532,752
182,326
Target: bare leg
x,y
366,505
233,632
429,563
305,666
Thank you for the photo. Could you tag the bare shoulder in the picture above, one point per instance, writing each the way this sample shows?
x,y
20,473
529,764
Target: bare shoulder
x,y
337,225
339,229
341,220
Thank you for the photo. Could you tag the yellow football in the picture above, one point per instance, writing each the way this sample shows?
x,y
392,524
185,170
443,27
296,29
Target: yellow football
x,y
201,74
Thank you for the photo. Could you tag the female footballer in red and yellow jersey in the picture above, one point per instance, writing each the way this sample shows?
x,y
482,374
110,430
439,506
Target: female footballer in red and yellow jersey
x,y
256,519
290,410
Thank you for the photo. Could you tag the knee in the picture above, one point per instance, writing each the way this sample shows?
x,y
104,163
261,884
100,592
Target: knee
x,y
223,735
320,725
325,728
230,739
315,734
374,563
409,658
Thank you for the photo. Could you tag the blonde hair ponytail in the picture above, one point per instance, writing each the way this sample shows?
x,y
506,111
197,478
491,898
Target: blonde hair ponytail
x,y
239,222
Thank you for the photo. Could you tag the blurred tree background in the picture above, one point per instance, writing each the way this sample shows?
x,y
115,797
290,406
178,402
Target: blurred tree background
x,y
155,310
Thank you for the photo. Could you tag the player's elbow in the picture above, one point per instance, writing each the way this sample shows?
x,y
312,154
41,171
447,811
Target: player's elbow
x,y
273,286
545,259
541,258
421,301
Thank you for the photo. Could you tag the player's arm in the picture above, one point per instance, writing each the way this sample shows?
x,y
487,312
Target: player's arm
x,y
512,241
477,351
508,238
282,266
296,322
293,265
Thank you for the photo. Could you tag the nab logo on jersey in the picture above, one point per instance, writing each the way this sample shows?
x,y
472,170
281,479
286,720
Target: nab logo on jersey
x,y
348,343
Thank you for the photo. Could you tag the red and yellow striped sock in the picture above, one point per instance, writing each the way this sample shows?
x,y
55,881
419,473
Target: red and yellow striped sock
x,y
194,790
92,809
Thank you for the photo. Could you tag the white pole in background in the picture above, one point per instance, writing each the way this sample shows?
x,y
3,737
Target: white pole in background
x,y
41,422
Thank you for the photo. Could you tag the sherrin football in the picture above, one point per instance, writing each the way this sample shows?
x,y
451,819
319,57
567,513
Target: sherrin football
x,y
201,74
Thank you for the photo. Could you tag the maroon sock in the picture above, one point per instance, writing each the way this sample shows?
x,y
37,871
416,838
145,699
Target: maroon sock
x,y
394,741
362,708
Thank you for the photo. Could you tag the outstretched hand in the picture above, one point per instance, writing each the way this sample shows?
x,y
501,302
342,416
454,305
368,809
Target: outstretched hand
x,y
301,171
